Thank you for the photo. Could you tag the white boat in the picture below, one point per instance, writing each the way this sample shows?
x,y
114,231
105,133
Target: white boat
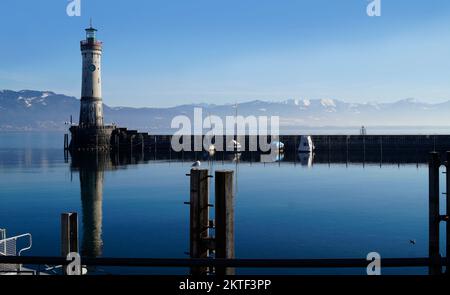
x,y
306,144
278,146
236,145
306,159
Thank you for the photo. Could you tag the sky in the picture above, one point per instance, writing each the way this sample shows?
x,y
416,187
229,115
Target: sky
x,y
171,52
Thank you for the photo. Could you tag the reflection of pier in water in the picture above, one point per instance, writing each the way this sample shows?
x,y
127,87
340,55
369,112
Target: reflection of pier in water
x,y
320,157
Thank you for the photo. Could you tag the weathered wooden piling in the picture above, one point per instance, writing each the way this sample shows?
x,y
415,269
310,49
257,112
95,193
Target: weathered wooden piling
x,y
224,225
69,233
434,217
199,217
447,225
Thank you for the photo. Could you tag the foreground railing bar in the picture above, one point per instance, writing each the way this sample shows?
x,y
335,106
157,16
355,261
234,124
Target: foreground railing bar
x,y
241,263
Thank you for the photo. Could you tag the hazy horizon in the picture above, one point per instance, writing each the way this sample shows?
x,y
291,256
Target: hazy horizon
x,y
241,101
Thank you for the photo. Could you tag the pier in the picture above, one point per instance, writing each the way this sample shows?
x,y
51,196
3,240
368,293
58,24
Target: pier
x,y
122,139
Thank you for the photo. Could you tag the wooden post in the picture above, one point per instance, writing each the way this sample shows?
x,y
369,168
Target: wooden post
x,y
199,217
224,218
434,217
447,213
69,233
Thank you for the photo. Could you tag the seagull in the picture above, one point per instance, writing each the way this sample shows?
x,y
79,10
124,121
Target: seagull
x,y
413,242
196,164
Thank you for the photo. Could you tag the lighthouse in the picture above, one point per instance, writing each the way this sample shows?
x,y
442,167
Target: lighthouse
x,y
91,133
91,110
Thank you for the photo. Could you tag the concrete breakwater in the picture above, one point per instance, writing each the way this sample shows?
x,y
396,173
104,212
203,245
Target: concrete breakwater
x,y
421,143
337,143
123,139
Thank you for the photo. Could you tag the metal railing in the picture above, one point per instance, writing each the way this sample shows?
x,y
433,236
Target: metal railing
x,y
87,42
8,248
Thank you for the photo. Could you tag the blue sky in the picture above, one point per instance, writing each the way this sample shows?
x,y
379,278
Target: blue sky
x,y
170,52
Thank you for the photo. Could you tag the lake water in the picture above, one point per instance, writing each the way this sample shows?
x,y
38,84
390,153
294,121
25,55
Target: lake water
x,y
286,209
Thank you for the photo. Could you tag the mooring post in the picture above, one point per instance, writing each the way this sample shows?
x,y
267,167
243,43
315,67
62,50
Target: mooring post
x,y
447,213
434,217
224,240
199,217
69,233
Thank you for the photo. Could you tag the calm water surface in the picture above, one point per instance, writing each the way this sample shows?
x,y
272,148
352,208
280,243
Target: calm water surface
x,y
283,210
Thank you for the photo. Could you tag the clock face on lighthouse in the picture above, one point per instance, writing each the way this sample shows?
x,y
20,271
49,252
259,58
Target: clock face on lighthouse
x,y
92,68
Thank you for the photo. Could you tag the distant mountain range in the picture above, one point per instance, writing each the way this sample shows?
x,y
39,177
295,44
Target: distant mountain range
x,y
29,110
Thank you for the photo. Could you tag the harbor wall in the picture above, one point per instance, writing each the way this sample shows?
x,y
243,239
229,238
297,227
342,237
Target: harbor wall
x,y
124,139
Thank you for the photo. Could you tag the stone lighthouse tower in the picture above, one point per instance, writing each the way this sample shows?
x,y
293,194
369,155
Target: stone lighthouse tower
x,y
91,133
91,111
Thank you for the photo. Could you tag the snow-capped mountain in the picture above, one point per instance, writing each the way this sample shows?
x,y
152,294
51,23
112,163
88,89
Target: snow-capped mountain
x,y
46,110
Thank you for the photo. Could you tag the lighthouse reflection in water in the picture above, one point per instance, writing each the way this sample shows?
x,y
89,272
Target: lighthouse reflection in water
x,y
91,167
